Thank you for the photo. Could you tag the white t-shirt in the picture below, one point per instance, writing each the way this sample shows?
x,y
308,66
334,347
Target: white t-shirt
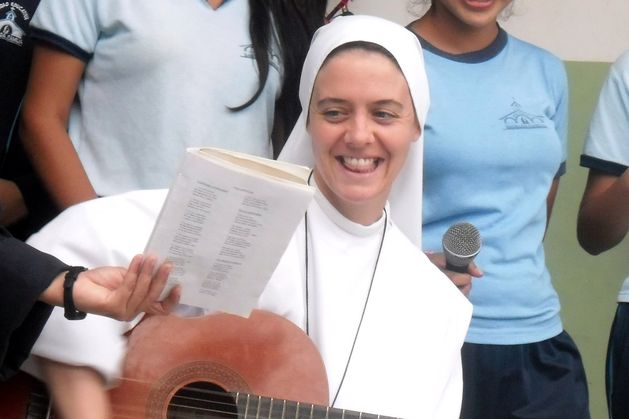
x,y
607,143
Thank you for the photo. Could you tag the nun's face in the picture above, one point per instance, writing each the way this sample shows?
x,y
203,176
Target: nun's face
x,y
362,123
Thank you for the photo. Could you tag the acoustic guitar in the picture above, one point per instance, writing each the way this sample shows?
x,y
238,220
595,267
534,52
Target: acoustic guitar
x,y
216,366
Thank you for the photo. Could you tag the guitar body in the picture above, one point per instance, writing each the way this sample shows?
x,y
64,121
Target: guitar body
x,y
226,359
264,354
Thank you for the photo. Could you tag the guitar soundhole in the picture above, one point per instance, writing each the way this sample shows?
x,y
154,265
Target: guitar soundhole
x,y
202,400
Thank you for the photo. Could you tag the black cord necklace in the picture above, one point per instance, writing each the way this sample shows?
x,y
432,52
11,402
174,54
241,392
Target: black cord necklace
x,y
362,316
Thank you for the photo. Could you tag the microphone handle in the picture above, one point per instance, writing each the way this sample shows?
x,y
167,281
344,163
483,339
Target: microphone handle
x,y
456,268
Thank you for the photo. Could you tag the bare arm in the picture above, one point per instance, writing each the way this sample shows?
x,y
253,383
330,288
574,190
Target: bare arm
x,y
603,218
77,392
52,86
550,199
12,205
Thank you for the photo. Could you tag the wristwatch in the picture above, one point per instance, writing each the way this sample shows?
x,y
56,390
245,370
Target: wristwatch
x,y
70,310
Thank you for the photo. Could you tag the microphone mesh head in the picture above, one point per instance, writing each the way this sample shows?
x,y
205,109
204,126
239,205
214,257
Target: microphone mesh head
x,y
462,241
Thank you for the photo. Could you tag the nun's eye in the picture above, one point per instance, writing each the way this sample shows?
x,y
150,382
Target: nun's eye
x,y
333,114
384,115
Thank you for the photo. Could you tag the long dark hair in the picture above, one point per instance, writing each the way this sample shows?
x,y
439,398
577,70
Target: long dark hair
x,y
294,22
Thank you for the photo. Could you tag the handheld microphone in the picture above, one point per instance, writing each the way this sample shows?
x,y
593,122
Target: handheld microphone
x,y
461,243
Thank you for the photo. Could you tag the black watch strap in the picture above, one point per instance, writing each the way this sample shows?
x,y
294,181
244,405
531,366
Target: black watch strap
x,y
70,311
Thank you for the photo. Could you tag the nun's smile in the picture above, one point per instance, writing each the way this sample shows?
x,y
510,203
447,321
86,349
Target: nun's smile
x,y
359,164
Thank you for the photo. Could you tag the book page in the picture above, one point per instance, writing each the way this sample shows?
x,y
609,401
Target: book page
x,y
224,230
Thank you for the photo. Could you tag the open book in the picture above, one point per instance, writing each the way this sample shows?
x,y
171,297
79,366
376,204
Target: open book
x,y
227,219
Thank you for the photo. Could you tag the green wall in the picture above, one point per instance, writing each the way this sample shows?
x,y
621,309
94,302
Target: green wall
x,y
587,285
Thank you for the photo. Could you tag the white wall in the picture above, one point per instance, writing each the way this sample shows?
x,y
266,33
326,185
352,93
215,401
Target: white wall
x,y
575,30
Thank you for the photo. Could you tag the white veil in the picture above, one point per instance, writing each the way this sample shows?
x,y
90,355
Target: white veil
x,y
406,195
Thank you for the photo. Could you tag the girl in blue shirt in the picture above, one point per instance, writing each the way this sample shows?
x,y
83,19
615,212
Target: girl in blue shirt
x,y
495,148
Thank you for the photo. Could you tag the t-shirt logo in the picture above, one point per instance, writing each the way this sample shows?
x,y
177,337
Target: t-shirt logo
x,y
274,58
14,18
518,119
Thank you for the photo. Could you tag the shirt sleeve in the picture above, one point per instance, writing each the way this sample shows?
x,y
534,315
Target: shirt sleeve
x,y
24,274
607,143
71,25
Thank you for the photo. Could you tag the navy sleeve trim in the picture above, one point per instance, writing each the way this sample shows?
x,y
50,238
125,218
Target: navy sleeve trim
x,y
610,167
61,43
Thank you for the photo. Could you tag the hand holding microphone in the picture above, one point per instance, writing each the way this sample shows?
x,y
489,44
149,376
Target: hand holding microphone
x,y
461,243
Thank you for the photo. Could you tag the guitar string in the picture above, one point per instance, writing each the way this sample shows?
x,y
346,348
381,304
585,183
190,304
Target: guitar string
x,y
261,405
362,315
200,398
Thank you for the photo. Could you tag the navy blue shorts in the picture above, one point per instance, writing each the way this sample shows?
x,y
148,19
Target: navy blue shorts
x,y
541,380
617,371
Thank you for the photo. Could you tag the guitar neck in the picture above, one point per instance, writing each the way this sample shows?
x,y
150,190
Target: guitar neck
x,y
258,407
189,402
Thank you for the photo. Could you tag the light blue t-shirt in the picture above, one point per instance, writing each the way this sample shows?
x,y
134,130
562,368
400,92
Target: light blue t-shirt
x,y
495,139
607,143
160,76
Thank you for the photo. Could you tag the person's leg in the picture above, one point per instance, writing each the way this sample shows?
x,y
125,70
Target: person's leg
x,y
484,369
617,363
539,380
555,382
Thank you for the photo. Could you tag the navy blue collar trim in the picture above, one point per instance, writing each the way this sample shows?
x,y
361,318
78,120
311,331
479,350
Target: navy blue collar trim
x,y
473,57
